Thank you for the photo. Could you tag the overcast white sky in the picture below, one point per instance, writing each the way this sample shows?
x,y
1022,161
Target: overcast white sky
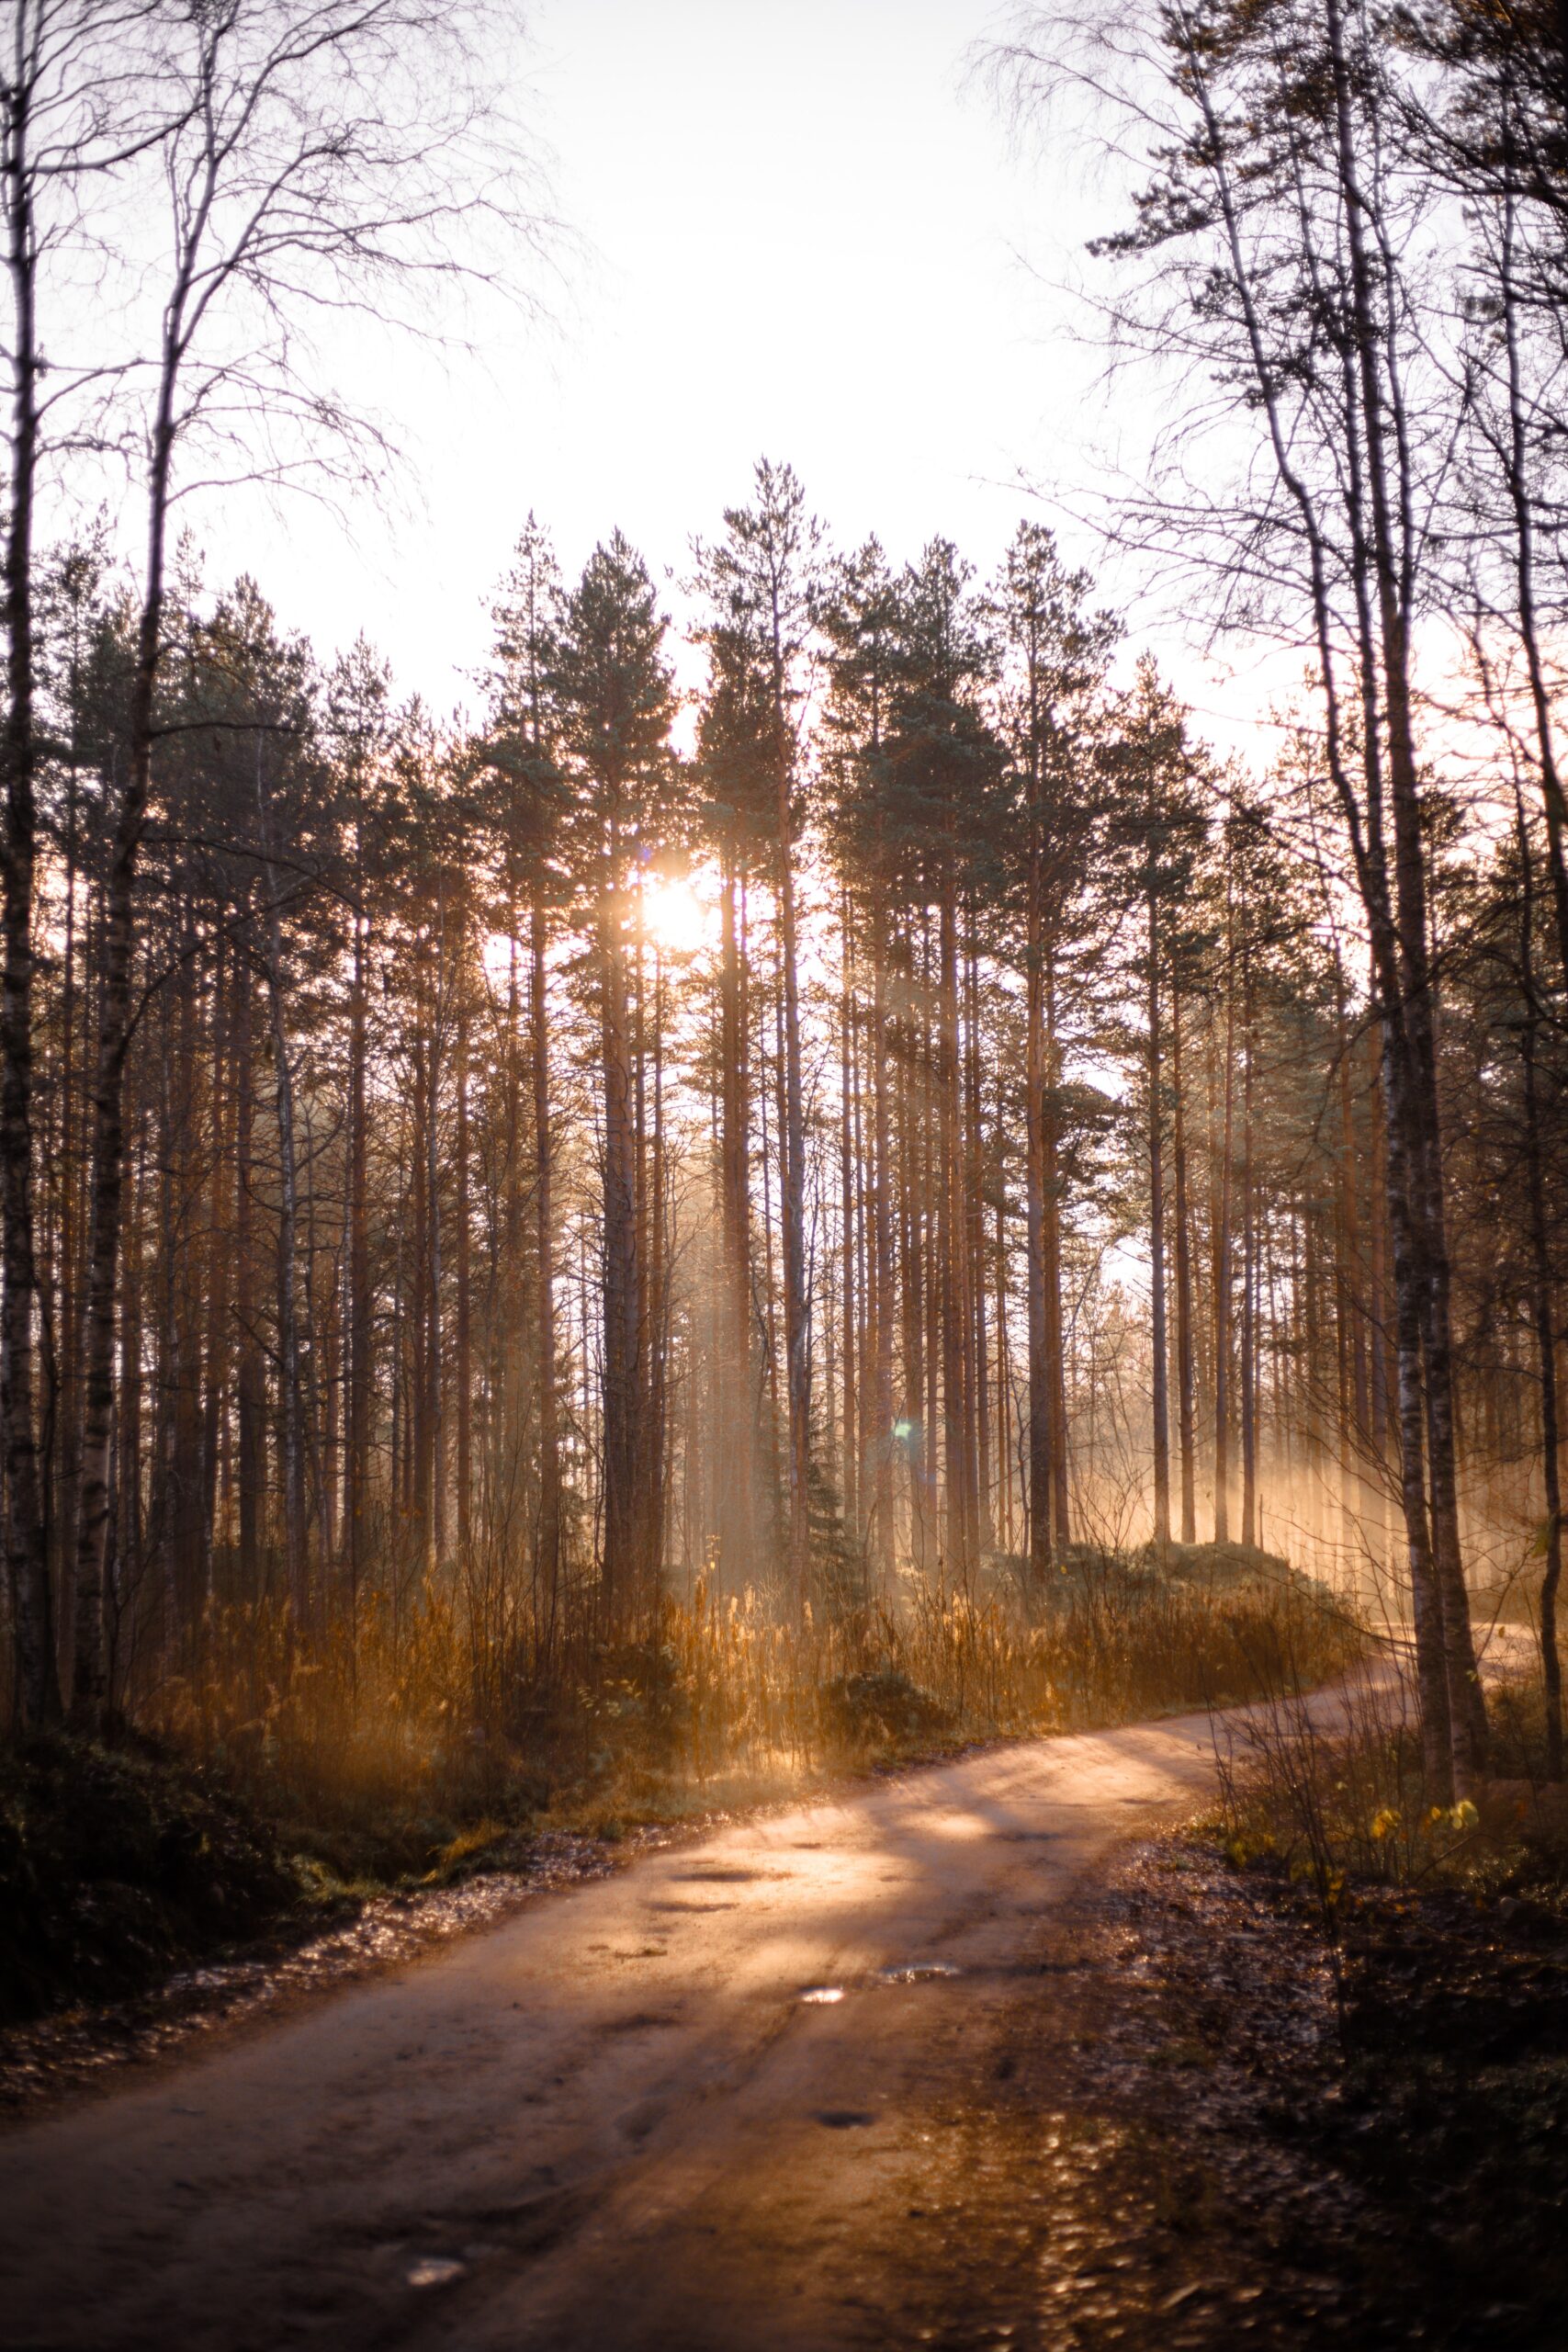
x,y
799,228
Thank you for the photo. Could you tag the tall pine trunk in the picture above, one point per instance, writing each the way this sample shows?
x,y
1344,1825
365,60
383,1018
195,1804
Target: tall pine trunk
x,y
360,1368
290,1400
623,1302
108,1154
791,1218
1037,1210
1543,1290
1186,1391
547,1549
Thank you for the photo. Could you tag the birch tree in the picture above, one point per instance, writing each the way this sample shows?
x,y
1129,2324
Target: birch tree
x,y
326,159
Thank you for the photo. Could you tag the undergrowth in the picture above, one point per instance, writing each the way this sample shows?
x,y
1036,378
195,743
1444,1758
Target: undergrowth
x,y
279,1770
1445,1932
116,1865
417,1722
1348,1807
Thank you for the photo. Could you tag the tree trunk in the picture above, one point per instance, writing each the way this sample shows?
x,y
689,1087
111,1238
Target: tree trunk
x,y
548,1552
740,1402
1158,1339
250,1401
950,1246
1248,1281
26,1559
1185,1385
1516,476
462,1369
360,1305
881,1245
792,1218
1413,1074
290,1402
108,1091
623,1304
850,1301
1055,1334
1037,1211
1221,1221
1542,1306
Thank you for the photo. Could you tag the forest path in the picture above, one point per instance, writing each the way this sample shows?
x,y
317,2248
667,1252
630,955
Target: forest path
x,y
612,2121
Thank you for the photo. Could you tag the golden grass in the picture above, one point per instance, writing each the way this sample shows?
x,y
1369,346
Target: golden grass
x,y
416,1731
1333,1809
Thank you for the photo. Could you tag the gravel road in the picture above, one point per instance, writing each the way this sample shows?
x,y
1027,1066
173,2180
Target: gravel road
x,y
683,2107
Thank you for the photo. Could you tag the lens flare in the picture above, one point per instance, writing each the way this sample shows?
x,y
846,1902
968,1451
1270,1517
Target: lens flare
x,y
676,918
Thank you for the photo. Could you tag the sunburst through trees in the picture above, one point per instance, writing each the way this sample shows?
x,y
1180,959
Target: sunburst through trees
x,y
930,1127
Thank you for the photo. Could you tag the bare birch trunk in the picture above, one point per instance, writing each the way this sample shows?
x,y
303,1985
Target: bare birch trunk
x,y
26,1561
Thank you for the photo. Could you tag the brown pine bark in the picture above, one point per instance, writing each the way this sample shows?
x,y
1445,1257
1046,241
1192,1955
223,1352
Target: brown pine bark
x,y
360,1333
792,1208
1221,1161
463,1350
251,1378
290,1400
950,1240
1037,1195
1055,1333
1249,1399
1186,1390
882,1253
108,1151
849,1300
433,1466
623,1553
1543,1290
547,1548
1159,1342
984,1528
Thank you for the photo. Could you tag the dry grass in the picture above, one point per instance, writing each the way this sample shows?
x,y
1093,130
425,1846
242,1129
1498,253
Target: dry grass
x,y
1333,1809
388,1747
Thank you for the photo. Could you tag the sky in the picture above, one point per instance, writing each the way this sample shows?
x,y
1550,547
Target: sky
x,y
797,227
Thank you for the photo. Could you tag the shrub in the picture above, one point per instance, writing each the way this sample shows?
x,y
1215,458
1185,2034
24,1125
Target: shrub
x,y
117,1864
881,1710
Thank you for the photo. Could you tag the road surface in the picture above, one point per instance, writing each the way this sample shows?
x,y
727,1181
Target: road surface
x,y
685,2108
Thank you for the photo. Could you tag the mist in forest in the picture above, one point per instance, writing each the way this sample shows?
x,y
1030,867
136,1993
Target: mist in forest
x,y
840,1167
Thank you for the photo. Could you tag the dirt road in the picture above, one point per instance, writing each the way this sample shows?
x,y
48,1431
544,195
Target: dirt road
x,y
687,2106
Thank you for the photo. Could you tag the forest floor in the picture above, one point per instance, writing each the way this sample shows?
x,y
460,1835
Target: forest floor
x,y
940,2060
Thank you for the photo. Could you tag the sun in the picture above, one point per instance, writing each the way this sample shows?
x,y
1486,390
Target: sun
x,y
677,919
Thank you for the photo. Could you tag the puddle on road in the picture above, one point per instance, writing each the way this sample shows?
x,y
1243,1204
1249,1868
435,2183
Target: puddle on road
x,y
691,1908
821,1997
918,1972
437,2270
844,2119
722,1877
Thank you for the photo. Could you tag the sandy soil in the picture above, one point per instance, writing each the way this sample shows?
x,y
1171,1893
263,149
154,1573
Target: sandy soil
x,y
688,2107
